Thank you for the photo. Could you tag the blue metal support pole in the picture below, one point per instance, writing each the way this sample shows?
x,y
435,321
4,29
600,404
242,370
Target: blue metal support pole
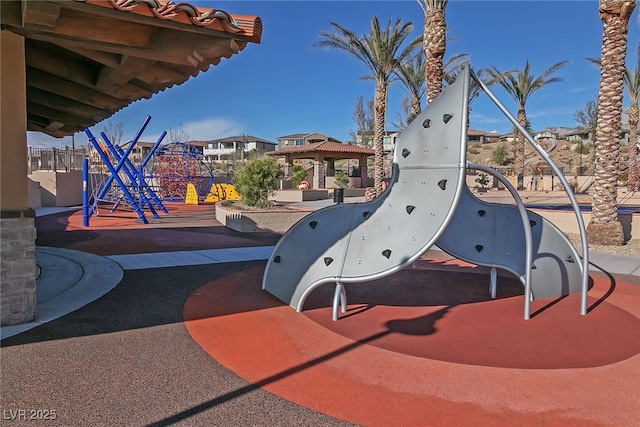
x,y
114,176
131,173
85,191
107,184
145,187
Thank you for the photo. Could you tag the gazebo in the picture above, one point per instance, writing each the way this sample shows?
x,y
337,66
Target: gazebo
x,y
329,152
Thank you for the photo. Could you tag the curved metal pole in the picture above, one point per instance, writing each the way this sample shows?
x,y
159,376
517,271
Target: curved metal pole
x,y
565,183
527,233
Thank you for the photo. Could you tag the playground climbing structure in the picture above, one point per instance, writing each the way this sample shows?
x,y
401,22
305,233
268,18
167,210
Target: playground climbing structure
x,y
428,202
175,165
114,180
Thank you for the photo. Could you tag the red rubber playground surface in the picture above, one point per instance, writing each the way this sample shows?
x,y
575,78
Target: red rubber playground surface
x,y
423,347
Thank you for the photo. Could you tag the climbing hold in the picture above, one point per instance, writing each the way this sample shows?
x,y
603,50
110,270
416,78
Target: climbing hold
x,y
446,118
386,253
313,224
532,223
366,214
533,267
570,259
426,123
405,152
328,260
481,212
479,248
410,209
276,259
442,184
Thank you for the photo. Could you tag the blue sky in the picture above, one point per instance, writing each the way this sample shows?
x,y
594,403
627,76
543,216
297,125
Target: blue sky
x,y
284,85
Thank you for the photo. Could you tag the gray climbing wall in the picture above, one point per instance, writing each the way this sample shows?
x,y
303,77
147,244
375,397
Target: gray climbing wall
x,y
492,235
363,241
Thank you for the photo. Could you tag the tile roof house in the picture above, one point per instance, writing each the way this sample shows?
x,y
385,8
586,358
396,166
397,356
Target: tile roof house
x,y
67,65
475,136
221,149
302,138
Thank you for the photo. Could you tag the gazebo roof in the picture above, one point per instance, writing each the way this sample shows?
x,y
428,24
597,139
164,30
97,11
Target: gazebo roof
x,y
88,59
327,148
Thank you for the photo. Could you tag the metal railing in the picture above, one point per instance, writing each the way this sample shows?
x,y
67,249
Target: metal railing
x,y
55,159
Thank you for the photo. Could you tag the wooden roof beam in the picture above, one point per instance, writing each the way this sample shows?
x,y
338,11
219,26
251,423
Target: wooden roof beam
x,y
65,65
66,105
111,78
68,119
40,13
50,83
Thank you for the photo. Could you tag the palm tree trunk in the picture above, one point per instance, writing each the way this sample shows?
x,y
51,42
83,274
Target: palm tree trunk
x,y
520,144
380,107
435,46
633,181
415,107
604,227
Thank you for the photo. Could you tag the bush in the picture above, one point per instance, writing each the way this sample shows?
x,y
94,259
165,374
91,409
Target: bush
x,y
582,148
256,180
501,155
482,179
473,150
298,174
341,179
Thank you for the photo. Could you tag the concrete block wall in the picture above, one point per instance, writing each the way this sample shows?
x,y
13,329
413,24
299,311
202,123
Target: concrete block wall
x,y
57,188
18,270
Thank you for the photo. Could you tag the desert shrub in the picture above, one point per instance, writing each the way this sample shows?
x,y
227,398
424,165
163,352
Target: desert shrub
x,y
256,180
473,150
501,155
341,179
298,174
482,179
582,149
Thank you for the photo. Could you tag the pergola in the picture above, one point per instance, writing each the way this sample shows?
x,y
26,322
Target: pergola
x,y
329,152
67,65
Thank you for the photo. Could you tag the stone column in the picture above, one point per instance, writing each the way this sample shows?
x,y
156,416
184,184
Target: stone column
x,y
318,174
363,172
17,225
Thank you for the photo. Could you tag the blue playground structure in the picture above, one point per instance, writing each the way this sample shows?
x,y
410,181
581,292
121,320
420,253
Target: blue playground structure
x,y
131,188
112,179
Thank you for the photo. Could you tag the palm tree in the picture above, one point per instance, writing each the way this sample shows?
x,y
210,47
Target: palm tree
x,y
451,73
632,83
434,44
605,227
381,52
521,85
411,76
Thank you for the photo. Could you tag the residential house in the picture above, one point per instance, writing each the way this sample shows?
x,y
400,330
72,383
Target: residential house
x,y
546,135
475,136
223,148
298,139
578,135
388,140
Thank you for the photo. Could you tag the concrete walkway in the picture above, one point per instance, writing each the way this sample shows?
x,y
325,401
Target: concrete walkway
x,y
70,279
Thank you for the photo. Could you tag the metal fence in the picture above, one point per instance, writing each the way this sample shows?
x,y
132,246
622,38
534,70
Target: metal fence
x,y
55,159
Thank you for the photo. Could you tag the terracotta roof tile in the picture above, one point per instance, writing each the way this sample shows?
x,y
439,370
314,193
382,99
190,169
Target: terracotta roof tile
x,y
325,146
186,13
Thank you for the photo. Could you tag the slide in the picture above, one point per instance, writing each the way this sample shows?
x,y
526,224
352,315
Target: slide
x,y
492,235
357,242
